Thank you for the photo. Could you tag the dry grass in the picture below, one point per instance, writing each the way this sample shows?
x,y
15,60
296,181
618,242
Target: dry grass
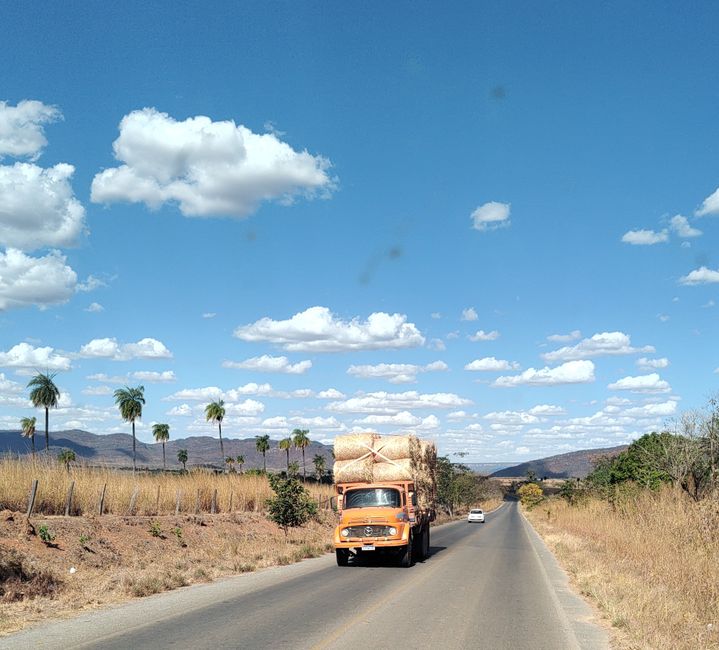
x,y
651,565
235,492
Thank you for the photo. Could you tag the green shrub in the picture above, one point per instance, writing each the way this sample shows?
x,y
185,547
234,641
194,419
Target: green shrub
x,y
292,505
45,534
530,494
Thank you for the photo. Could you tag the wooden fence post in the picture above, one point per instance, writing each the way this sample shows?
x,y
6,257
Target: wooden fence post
x,y
157,501
133,500
178,498
101,505
68,501
231,495
31,500
213,505
197,502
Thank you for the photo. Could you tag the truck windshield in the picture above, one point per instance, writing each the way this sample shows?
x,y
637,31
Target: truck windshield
x,y
372,498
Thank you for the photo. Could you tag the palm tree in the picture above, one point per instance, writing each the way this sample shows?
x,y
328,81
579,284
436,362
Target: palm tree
x,y
301,441
286,445
240,461
262,444
319,463
182,458
44,393
230,460
27,425
66,456
162,434
130,401
215,412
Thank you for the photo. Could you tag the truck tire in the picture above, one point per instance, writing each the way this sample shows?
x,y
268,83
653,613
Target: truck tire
x,y
425,543
343,556
405,558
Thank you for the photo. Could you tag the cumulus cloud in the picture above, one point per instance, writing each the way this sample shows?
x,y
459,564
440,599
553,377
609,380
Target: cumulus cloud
x,y
680,225
645,237
8,386
710,205
41,281
511,417
317,329
599,345
183,410
267,363
97,390
546,409
94,308
331,393
702,275
469,314
317,423
109,348
401,419
650,383
38,207
152,377
491,364
491,216
391,403
572,372
21,128
481,335
395,373
646,364
25,356
208,168
209,314
565,338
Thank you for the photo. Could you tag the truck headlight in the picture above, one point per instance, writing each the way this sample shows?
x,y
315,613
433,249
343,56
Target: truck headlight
x,y
345,532
392,531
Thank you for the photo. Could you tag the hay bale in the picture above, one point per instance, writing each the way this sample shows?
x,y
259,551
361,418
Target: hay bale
x,y
398,470
396,447
354,470
354,445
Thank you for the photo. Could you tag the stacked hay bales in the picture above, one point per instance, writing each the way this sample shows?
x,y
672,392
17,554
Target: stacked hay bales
x,y
371,458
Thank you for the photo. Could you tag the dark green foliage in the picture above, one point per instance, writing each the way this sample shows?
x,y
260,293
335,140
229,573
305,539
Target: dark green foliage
x,y
292,505
458,486
45,534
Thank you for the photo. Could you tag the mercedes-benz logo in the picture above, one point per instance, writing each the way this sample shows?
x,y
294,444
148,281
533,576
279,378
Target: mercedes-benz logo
x,y
368,530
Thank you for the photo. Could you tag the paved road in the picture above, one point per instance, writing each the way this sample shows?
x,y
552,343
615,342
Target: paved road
x,y
491,585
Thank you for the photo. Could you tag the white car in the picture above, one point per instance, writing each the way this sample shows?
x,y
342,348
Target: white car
x,y
475,515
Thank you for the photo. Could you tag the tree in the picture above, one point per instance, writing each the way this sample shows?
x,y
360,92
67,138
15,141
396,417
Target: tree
x,y
286,444
44,394
293,469
27,427
301,440
292,505
130,401
230,461
162,434
319,463
530,494
262,444
182,458
215,412
66,456
240,461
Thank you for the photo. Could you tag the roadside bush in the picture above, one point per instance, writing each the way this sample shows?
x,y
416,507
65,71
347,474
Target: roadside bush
x,y
292,505
531,495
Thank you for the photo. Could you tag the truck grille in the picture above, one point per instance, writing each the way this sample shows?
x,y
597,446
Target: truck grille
x,y
369,531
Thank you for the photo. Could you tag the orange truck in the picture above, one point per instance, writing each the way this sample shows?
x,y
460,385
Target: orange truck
x,y
386,517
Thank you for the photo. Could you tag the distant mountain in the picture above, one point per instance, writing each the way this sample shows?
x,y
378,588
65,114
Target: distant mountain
x,y
485,468
115,449
575,464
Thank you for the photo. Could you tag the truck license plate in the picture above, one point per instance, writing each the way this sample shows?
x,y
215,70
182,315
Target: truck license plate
x,y
368,547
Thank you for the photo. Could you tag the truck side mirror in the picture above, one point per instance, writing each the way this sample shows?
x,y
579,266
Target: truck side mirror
x,y
413,498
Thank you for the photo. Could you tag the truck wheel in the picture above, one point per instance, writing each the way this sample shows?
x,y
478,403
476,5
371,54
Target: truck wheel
x,y
405,558
425,543
343,556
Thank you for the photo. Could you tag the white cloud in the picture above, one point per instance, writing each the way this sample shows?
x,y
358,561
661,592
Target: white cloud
x,y
395,373
702,275
680,225
331,393
521,450
247,407
8,386
436,315
547,409
645,237
91,284
208,168
205,394
663,409
401,419
316,329
710,205
284,423
154,377
490,216
708,304
209,314
266,363
24,355
491,364
599,345
663,317
109,348
651,383
646,364
511,417
481,335
469,314
252,388
437,344
42,281
94,308
391,403
21,128
107,379
38,207
572,372
97,390
182,410
565,338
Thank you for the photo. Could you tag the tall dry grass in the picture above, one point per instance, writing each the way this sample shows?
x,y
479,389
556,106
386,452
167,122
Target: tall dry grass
x,y
235,492
651,564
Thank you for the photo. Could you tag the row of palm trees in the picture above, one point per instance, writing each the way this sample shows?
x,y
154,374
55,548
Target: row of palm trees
x,y
45,394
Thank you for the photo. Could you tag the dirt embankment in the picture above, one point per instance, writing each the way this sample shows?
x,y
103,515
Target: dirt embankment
x,y
56,566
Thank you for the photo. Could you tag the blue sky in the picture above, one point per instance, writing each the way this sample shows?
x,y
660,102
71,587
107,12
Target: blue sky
x,y
495,226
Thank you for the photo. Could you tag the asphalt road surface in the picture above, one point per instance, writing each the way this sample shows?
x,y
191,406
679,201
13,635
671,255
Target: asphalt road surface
x,y
492,585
